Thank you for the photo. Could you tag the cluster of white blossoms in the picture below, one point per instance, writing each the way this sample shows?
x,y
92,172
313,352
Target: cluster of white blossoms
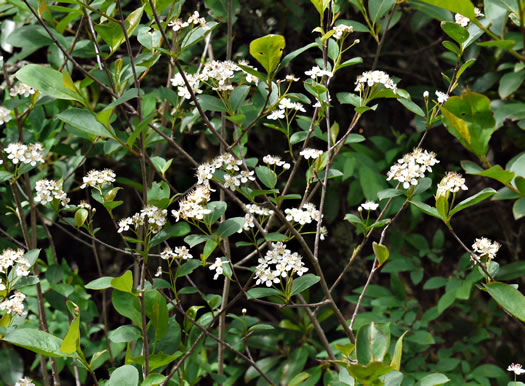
x,y
217,267
371,78
311,153
409,169
14,305
194,81
367,205
5,115
285,264
226,162
304,215
342,30
98,178
485,247
13,258
178,253
442,97
151,216
49,190
194,19
285,104
452,182
249,218
26,381
276,160
516,369
317,72
464,21
26,154
193,205
21,89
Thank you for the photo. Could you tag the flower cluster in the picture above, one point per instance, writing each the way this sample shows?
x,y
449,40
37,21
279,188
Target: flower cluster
x,y
182,90
409,169
15,304
217,267
464,21
193,205
368,205
26,381
5,115
27,154
177,253
311,153
98,178
249,218
452,182
13,258
219,73
317,72
485,247
225,162
304,215
442,97
276,160
49,190
371,78
286,264
155,218
342,30
21,89
179,24
286,104
516,368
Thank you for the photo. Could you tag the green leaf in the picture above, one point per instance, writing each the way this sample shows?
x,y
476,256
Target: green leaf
x,y
11,366
299,379
256,293
518,209
411,106
378,8
388,193
455,31
267,176
153,380
275,237
381,252
464,66
372,342
100,283
230,226
176,230
157,312
452,47
84,121
123,283
112,32
37,341
127,305
292,55
507,297
321,6
473,200
463,7
187,268
268,51
218,208
369,374
495,172
5,175
47,81
195,239
80,217
72,339
304,282
398,353
427,209
433,379
124,334
211,103
126,375
510,82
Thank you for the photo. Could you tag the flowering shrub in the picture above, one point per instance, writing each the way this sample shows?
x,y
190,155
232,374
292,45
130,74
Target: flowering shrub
x,y
185,203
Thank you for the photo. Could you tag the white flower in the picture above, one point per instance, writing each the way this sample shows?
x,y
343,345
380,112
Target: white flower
x,y
10,257
276,114
516,368
192,206
324,233
21,89
49,190
286,264
217,267
249,77
219,74
442,97
246,175
5,115
248,223
84,205
14,305
26,381
178,24
368,205
151,216
409,169
98,178
485,247
27,154
292,78
275,160
341,30
316,72
371,78
183,253
231,182
452,182
286,103
259,210
425,94
304,215
182,90
123,225
159,271
311,153
461,20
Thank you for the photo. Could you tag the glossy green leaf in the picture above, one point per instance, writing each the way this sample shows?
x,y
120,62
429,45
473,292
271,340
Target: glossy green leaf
x,y
123,283
518,209
112,32
320,5
153,379
256,293
211,103
84,121
304,282
267,176
268,51
473,200
124,334
230,226
411,106
72,339
47,81
176,230
372,342
157,312
510,82
508,297
433,380
126,375
463,7
368,374
455,31
398,353
188,267
127,305
37,341
427,209
299,379
378,8
495,172
381,252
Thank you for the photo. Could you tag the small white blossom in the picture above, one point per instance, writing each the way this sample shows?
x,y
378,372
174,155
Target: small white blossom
x,y
14,305
178,24
324,233
217,267
246,175
409,169
276,114
316,72
159,271
425,94
442,97
452,182
192,206
368,205
258,210
286,264
151,216
461,20
84,205
27,154
292,78
485,247
49,190
26,381
311,153
182,90
5,115
248,223
98,178
304,215
516,368
371,78
21,89
275,160
341,30
183,253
